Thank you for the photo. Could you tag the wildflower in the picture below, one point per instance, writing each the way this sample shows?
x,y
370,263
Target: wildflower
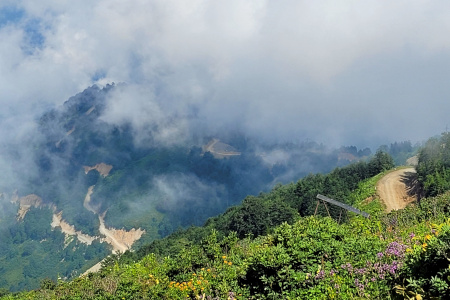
x,y
320,275
224,257
396,249
230,263
380,255
361,271
348,267
393,267
359,285
428,237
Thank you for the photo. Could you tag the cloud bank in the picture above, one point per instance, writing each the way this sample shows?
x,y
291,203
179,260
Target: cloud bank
x,y
357,72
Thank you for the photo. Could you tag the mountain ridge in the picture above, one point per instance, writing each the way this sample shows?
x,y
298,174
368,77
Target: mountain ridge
x,y
156,188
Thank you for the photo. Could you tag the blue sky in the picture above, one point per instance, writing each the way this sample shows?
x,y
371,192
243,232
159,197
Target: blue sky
x,y
354,72
10,14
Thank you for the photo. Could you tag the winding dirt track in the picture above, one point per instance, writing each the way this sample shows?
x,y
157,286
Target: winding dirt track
x,y
398,188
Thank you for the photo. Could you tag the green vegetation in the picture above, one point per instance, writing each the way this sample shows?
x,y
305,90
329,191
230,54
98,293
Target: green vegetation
x,y
400,151
398,255
269,248
434,165
28,252
261,248
153,187
270,240
257,215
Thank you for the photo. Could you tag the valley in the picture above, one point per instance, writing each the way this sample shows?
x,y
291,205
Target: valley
x,y
91,190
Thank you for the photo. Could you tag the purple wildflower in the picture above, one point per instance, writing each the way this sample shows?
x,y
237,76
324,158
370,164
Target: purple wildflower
x,y
333,271
320,275
396,249
359,285
361,271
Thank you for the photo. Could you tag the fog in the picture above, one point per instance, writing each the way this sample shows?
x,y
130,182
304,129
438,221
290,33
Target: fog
x,y
355,73
309,75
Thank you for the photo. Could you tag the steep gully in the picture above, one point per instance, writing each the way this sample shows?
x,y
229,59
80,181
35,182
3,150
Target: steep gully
x,y
120,239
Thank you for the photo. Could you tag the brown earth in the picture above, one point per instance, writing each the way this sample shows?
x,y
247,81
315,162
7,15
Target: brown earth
x,y
93,269
25,203
102,168
120,239
69,230
90,110
220,150
398,188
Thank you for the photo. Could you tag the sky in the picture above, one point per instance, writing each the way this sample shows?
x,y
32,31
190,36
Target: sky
x,y
361,73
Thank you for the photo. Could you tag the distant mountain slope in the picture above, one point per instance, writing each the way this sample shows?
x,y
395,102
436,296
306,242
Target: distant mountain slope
x,y
263,249
133,187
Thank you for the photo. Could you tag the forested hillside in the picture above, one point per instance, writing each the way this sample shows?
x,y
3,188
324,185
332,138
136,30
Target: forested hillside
x,y
266,248
82,187
434,165
257,215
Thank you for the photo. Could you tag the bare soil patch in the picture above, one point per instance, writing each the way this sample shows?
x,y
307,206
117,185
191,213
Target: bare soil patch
x,y
68,229
120,239
102,168
25,203
220,150
398,188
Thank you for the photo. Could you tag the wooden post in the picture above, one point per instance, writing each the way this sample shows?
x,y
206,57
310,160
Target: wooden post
x,y
326,208
317,206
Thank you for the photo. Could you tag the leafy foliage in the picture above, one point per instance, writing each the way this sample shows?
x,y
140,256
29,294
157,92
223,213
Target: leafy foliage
x,y
434,165
402,254
159,188
313,258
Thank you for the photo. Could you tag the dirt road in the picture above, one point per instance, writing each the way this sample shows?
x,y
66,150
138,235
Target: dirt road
x,y
398,188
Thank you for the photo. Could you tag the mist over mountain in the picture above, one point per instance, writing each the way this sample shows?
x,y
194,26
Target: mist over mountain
x,y
95,176
211,102
353,74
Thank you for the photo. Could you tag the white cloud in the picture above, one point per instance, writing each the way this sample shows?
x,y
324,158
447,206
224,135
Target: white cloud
x,y
284,68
